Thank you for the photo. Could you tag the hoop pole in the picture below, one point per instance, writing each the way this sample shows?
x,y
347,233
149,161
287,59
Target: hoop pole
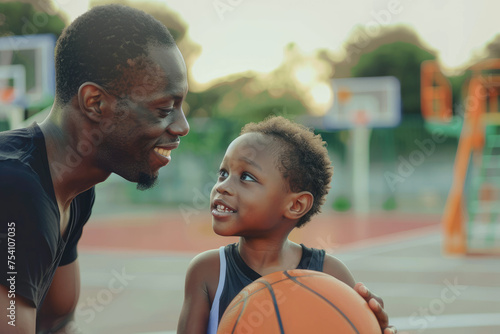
x,y
361,169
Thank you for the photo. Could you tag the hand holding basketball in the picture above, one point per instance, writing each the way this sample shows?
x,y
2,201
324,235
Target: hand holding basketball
x,y
377,306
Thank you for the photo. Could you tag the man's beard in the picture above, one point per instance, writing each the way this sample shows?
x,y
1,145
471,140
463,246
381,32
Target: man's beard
x,y
146,181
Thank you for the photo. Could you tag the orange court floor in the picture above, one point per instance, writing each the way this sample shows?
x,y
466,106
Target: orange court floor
x,y
133,267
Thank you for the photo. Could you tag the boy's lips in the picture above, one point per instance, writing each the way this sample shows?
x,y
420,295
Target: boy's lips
x,y
221,208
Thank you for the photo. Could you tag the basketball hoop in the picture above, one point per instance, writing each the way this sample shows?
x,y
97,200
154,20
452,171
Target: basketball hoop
x,y
361,118
7,95
361,104
373,102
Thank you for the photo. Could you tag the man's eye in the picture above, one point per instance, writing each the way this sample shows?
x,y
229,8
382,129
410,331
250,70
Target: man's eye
x,y
247,177
163,112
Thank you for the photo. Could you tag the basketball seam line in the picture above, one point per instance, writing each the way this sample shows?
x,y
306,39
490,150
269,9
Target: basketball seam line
x,y
260,289
239,315
319,295
275,303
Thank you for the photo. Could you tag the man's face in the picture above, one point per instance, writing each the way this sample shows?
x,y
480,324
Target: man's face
x,y
148,120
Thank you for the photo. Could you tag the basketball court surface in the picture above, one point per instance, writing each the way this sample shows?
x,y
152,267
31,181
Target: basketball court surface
x,y
133,268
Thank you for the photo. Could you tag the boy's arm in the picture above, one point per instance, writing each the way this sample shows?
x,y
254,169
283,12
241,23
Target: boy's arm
x,y
201,279
339,270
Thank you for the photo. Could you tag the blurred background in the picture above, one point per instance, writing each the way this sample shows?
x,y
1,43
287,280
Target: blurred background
x,y
250,59
247,60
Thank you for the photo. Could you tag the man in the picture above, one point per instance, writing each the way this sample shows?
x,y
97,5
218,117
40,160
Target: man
x,y
120,84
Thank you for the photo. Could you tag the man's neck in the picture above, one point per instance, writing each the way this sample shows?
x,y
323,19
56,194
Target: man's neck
x,y
72,172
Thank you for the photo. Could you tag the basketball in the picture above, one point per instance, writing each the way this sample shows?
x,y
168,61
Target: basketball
x,y
298,302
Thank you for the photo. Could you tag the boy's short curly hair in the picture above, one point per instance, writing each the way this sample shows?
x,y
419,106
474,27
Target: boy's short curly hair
x,y
303,159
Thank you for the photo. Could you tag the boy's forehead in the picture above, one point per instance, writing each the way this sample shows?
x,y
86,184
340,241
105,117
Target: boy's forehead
x,y
251,139
252,145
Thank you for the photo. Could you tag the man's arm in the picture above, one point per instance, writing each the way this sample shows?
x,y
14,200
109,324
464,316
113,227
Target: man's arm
x,y
202,276
17,319
61,300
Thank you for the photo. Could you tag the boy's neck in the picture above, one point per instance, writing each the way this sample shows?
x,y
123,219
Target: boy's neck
x,y
266,257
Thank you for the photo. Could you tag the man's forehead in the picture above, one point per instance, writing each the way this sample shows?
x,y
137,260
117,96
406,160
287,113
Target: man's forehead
x,y
160,75
169,59
169,63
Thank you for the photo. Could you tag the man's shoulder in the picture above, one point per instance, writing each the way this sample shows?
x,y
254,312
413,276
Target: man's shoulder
x,y
23,196
16,174
13,142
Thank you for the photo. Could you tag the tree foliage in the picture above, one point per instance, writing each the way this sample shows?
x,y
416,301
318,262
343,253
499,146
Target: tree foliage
x,y
20,18
401,60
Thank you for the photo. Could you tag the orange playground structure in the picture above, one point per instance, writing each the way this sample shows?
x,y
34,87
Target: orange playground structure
x,y
471,220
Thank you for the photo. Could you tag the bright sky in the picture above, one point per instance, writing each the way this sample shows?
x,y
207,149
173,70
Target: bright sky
x,y
241,35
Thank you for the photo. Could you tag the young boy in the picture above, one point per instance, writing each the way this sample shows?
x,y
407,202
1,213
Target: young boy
x,y
274,177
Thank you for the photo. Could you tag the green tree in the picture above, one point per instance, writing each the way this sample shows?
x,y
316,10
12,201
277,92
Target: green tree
x,y
401,60
493,48
19,18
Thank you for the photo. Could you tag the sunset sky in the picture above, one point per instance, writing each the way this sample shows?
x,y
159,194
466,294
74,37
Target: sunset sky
x,y
241,35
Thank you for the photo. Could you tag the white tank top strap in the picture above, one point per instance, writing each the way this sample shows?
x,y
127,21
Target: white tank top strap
x,y
213,321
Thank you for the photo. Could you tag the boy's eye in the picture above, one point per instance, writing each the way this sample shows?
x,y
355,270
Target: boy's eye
x,y
222,173
247,177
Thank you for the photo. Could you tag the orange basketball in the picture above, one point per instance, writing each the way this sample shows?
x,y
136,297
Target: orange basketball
x,y
298,302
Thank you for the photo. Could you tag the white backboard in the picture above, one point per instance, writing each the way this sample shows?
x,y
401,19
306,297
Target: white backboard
x,y
36,54
372,102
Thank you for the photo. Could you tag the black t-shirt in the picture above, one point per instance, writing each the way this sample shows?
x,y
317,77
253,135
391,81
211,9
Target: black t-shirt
x,y
31,246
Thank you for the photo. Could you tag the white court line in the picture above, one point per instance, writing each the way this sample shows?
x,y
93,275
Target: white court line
x,y
437,321
153,281
447,321
431,291
425,264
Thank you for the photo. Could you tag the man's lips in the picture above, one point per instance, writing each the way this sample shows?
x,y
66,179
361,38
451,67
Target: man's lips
x,y
162,152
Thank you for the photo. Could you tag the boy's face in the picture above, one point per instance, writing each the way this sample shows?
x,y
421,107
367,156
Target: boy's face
x,y
250,195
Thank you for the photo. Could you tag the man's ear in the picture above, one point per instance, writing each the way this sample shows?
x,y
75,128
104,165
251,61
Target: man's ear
x,y
93,101
299,204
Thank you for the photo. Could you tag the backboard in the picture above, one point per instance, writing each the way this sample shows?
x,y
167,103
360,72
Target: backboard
x,y
12,95
372,102
12,84
36,54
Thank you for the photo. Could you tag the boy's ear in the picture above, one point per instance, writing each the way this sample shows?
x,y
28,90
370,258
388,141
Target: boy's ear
x,y
300,204
93,101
